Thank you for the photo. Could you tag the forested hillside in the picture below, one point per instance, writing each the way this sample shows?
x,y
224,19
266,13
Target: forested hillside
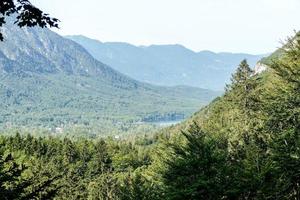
x,y
244,145
49,81
167,64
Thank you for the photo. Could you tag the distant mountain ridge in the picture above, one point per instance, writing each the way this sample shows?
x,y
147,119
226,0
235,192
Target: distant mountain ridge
x,y
48,80
167,65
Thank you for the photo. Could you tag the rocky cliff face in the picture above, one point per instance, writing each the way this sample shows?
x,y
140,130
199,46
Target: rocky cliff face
x,y
36,50
259,68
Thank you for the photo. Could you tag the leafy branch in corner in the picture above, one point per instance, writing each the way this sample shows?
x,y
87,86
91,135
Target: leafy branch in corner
x,y
26,15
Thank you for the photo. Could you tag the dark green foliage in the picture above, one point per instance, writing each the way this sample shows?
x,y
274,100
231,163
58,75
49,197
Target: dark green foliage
x,y
68,169
196,169
244,145
10,173
16,185
284,120
258,119
26,14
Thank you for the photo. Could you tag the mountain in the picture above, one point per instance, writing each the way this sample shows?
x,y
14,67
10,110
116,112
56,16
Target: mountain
x,y
50,81
223,109
167,65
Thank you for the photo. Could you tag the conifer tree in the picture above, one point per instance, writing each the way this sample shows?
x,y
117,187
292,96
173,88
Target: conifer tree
x,y
14,186
196,170
241,76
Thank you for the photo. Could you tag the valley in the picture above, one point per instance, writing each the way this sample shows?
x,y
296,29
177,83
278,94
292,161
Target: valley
x,y
82,119
48,81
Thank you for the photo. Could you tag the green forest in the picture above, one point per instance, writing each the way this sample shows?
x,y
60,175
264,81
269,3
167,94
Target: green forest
x,y
75,128
243,145
60,85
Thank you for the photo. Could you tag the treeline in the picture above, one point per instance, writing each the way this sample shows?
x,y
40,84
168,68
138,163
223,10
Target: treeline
x,y
47,168
245,145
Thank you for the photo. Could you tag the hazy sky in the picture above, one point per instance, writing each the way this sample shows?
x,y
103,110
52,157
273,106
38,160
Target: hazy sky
x,y
251,26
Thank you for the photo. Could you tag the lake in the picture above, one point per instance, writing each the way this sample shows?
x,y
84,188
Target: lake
x,y
164,123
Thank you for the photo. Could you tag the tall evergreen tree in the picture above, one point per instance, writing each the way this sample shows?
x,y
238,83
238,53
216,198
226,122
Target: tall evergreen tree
x,y
197,169
241,76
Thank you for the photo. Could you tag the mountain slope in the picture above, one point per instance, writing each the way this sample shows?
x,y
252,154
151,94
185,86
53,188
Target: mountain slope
x,y
242,138
268,60
47,80
222,113
167,64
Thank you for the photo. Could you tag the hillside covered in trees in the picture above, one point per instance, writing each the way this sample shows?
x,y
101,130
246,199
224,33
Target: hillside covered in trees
x,y
244,145
48,81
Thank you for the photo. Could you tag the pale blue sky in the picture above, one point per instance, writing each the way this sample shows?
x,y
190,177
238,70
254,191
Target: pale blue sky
x,y
251,26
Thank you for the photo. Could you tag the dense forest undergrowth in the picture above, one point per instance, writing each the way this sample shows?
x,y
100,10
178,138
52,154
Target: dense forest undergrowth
x,y
244,145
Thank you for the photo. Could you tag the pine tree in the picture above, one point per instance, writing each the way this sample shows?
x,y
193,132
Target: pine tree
x,y
14,186
196,170
241,76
